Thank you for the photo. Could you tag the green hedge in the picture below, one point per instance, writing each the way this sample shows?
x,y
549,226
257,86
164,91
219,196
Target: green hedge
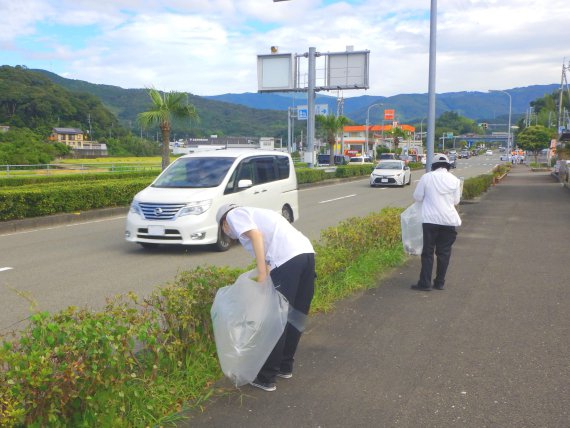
x,y
475,186
141,360
315,175
29,201
76,177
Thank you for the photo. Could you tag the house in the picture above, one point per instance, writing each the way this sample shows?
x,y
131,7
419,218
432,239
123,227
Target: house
x,y
4,128
80,147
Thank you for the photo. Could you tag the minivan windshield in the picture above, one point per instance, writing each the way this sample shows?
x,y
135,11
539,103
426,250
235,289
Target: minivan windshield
x,y
195,172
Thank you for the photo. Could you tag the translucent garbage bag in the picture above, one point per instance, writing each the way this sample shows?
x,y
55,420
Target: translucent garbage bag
x,y
248,318
412,232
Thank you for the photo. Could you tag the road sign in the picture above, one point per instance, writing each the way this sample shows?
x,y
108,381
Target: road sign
x,y
303,111
450,135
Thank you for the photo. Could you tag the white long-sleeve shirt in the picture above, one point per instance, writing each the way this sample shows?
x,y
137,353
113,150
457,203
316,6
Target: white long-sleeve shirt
x,y
439,191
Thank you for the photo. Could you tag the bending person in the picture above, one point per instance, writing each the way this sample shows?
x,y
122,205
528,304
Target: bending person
x,y
285,254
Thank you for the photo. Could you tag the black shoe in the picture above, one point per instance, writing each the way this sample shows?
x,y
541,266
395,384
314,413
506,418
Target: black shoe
x,y
266,386
417,287
439,287
285,375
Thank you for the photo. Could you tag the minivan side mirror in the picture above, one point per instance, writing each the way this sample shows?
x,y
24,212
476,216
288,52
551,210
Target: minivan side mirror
x,y
244,183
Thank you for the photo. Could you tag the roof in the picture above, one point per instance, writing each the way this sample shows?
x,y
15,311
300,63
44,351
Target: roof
x,y
362,128
67,131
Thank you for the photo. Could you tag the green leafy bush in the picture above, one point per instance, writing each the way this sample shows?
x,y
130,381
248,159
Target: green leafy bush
x,y
34,201
140,360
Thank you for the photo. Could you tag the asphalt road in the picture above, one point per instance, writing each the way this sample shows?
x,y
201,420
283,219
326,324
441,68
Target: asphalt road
x,y
83,263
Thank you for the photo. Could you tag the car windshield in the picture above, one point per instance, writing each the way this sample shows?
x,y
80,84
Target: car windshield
x,y
389,165
195,172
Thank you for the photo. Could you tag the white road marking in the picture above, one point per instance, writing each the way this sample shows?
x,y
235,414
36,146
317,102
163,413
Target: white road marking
x,y
337,199
5,268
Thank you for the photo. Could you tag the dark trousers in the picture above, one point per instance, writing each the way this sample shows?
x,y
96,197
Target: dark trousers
x,y
295,279
437,238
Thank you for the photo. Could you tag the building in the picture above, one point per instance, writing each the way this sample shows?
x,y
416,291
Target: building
x,y
80,147
4,128
355,137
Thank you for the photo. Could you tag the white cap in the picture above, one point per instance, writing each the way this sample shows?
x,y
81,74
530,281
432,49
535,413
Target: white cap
x,y
223,210
439,158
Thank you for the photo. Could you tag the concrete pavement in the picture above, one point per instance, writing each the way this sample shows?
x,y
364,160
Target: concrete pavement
x,y
492,350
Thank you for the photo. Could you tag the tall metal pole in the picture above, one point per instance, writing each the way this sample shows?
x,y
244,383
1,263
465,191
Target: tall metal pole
x,y
431,86
311,107
368,125
509,139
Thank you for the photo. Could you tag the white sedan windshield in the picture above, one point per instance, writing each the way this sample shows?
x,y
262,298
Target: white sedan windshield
x,y
198,172
389,165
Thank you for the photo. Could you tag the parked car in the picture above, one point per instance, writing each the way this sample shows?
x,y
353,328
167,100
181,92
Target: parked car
x,y
180,205
324,160
359,159
391,173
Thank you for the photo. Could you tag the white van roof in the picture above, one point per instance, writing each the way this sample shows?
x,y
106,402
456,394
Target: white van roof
x,y
234,153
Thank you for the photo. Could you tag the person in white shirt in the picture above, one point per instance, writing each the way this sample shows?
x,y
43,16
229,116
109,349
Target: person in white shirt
x,y
440,191
285,254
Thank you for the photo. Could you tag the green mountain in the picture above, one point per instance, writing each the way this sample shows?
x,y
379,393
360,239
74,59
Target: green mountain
x,y
216,118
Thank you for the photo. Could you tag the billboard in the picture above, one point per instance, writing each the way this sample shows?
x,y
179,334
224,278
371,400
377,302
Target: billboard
x,y
276,72
389,114
347,70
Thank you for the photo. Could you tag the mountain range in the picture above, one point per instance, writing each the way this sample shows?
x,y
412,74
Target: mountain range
x,y
265,113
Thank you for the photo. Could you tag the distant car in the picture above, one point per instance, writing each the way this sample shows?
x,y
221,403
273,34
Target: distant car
x,y
386,156
359,159
489,153
505,157
464,154
324,160
391,173
453,160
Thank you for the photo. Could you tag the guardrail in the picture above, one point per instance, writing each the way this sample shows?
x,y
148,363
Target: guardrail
x,y
53,168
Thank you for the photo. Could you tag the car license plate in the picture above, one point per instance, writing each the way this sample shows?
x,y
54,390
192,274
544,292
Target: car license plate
x,y
384,180
156,230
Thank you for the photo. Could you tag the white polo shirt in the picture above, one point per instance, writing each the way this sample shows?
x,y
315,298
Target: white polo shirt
x,y
281,240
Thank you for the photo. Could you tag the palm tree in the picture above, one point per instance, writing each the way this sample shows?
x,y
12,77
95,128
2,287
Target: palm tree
x,y
166,107
329,127
397,134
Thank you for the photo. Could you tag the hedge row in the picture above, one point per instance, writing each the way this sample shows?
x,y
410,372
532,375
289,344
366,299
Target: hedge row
x,y
140,360
475,186
74,177
24,202
314,175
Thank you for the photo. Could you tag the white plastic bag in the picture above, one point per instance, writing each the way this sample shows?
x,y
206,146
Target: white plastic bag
x,y
248,318
412,232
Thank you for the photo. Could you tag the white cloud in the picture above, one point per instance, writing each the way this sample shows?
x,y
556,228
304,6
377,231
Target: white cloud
x,y
210,46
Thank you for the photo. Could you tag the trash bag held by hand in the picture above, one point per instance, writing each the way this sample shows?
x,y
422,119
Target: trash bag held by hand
x,y
412,232
248,318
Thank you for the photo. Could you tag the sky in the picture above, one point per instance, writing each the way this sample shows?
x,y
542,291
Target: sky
x,y
210,47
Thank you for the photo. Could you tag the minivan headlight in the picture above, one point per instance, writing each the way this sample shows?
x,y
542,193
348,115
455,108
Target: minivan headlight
x,y
195,208
135,208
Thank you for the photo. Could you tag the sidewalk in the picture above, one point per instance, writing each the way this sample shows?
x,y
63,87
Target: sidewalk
x,y
492,350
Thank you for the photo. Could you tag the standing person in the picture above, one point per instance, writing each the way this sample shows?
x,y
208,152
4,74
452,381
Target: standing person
x,y
285,254
440,191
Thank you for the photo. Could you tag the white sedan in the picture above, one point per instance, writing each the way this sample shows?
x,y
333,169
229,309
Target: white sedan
x,y
391,173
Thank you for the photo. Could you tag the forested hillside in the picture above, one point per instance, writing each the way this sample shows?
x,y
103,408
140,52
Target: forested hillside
x,y
219,118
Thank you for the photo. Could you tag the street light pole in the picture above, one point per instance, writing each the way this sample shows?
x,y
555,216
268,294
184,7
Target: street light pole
x,y
367,125
431,85
509,139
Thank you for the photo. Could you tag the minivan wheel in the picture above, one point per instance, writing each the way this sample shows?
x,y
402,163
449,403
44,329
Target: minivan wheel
x,y
286,212
224,241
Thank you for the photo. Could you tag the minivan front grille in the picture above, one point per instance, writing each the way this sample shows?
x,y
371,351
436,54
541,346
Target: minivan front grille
x,y
152,211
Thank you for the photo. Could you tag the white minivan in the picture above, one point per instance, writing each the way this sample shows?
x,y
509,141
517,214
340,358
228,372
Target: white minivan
x,y
180,205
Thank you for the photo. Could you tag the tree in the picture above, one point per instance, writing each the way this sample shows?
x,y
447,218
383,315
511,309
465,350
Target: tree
x,y
166,108
397,134
329,127
534,139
